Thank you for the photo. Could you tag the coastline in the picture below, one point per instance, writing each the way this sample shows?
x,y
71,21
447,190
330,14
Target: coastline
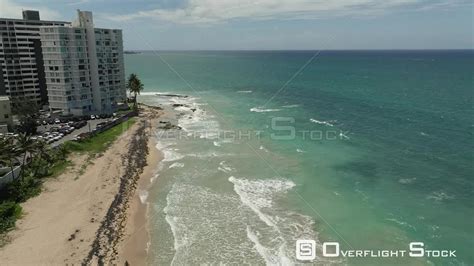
x,y
81,216
136,240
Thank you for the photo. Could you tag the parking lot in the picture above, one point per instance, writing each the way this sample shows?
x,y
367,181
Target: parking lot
x,y
90,126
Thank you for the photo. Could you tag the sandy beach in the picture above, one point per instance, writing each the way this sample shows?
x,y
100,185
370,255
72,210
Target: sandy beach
x,y
134,246
91,214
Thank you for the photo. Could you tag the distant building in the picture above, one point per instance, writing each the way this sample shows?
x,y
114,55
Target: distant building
x,y
84,66
6,119
21,61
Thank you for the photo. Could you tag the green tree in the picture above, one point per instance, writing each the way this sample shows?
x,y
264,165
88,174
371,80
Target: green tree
x,y
26,147
9,153
135,86
27,112
42,158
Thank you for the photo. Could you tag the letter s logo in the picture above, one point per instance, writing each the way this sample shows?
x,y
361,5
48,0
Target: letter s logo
x,y
417,250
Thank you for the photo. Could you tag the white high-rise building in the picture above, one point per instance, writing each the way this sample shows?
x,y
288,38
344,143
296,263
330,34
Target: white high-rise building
x,y
21,61
84,66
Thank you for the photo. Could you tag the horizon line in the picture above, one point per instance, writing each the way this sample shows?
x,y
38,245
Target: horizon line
x,y
297,50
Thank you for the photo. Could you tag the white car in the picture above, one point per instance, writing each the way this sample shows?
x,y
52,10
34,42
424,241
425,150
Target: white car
x,y
92,117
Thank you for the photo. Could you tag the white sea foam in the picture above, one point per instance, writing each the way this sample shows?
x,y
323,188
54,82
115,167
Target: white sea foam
x,y
143,195
440,196
300,151
244,91
176,165
145,93
326,123
209,154
199,122
258,194
222,141
263,148
273,239
171,155
291,106
210,227
160,145
406,180
183,108
224,167
261,110
401,223
178,240
207,227
262,250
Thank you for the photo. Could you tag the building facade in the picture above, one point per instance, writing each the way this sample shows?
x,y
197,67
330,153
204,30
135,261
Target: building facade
x,y
84,66
21,61
6,119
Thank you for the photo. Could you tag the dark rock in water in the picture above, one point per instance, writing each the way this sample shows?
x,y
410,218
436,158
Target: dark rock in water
x,y
178,105
194,110
168,126
172,95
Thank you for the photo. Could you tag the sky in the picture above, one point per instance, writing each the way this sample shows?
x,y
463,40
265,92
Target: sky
x,y
271,24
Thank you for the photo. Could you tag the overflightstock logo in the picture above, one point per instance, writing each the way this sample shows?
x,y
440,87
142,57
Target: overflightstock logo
x,y
305,250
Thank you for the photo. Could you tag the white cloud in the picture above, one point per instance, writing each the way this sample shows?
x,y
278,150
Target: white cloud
x,y
211,11
10,9
79,2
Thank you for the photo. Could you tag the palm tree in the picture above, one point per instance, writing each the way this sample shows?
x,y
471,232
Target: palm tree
x,y
8,154
25,146
135,86
43,158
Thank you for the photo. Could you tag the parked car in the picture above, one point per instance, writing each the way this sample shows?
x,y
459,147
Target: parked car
x,y
79,124
92,117
100,125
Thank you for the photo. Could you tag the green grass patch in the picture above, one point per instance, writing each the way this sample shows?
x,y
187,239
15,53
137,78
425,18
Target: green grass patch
x,y
10,211
123,112
59,167
100,142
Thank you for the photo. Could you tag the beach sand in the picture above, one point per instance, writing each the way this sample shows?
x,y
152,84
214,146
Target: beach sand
x,y
134,246
81,216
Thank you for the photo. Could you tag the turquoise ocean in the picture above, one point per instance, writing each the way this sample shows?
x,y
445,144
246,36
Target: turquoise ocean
x,y
371,149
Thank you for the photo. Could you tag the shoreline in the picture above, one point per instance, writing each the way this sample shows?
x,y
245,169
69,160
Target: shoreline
x,y
136,240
